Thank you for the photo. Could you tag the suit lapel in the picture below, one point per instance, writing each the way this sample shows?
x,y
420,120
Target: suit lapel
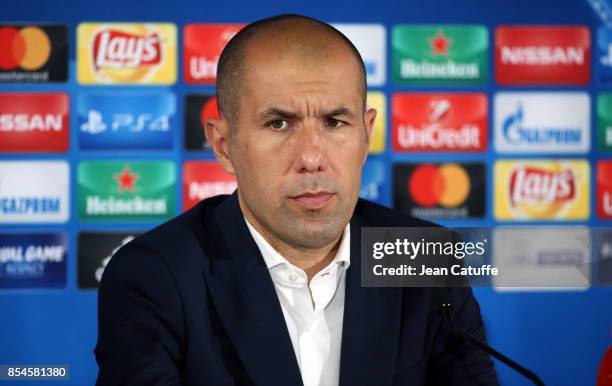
x,y
245,298
371,329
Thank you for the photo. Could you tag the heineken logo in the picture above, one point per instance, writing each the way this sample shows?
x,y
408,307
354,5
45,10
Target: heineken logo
x,y
439,44
440,54
140,190
97,206
126,179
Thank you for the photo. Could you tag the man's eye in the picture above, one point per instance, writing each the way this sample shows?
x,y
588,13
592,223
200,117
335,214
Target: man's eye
x,y
278,124
333,122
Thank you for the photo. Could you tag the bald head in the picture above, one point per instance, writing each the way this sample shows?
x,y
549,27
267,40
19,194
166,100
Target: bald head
x,y
293,38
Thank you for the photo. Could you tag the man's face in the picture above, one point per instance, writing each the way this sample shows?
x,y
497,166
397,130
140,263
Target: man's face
x,y
301,141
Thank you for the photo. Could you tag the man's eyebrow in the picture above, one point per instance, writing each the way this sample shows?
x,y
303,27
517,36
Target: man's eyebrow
x,y
339,111
274,112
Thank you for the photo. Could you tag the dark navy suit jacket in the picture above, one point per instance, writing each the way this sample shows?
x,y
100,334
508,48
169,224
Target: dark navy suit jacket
x,y
192,303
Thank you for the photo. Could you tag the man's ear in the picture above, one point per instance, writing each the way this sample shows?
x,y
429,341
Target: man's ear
x,y
217,132
369,119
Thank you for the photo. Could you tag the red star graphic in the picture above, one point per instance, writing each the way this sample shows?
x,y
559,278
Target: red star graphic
x,y
439,44
126,179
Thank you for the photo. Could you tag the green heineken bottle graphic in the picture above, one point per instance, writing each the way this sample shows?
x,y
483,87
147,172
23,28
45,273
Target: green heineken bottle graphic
x,y
440,54
126,190
604,122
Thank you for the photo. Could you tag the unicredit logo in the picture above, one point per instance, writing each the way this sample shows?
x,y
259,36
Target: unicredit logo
x,y
435,134
202,46
448,122
531,185
119,49
447,185
604,189
201,67
27,48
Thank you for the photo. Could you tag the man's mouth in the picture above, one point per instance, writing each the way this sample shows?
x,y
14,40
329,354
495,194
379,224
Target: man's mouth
x,y
313,200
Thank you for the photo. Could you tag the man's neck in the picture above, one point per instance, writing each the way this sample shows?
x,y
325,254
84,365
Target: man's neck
x,y
311,261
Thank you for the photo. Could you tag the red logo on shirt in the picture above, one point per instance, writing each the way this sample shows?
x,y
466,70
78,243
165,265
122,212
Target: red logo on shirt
x,y
542,55
34,122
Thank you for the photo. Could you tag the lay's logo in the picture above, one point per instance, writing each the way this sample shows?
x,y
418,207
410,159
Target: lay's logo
x,y
533,185
119,53
542,190
118,49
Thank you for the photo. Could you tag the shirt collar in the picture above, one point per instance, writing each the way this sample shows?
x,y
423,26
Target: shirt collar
x,y
272,258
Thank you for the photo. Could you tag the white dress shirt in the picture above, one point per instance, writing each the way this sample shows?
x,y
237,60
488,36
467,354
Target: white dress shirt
x,y
313,312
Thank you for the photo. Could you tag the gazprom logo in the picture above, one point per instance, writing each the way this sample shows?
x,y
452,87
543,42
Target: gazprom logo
x,y
517,133
34,191
542,122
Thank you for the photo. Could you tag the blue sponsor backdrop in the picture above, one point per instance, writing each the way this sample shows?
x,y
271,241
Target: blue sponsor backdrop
x,y
560,335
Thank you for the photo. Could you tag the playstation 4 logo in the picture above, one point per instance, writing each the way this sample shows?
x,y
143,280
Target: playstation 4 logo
x,y
134,123
112,121
94,124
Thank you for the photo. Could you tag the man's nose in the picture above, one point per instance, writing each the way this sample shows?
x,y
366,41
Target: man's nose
x,y
311,147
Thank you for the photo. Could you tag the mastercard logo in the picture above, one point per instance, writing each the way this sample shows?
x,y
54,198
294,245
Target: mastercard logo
x,y
447,185
27,48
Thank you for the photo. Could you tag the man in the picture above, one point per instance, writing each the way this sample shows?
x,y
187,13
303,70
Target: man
x,y
263,287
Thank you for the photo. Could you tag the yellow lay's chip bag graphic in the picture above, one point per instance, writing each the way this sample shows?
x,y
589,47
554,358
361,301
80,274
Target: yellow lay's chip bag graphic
x,y
126,53
377,101
542,189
